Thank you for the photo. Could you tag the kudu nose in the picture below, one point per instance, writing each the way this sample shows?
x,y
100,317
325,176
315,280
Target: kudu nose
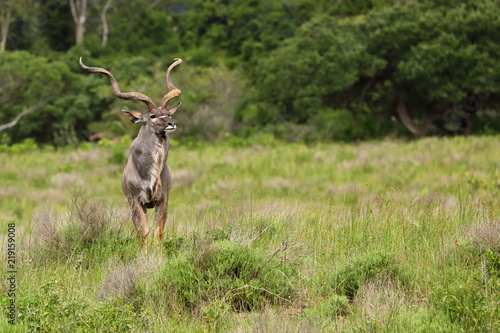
x,y
171,124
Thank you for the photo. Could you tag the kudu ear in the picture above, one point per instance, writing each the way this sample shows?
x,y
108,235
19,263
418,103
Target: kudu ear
x,y
134,116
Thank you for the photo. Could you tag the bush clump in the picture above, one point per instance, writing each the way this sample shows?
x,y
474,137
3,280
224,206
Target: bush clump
x,y
227,273
347,279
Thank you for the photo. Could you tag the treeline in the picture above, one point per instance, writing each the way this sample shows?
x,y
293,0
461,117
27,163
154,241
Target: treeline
x,y
297,69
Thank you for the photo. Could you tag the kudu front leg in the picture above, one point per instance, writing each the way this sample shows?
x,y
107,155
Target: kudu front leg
x,y
140,219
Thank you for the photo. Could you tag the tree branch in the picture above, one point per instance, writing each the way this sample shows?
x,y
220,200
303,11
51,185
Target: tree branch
x,y
154,4
18,117
5,21
105,26
73,10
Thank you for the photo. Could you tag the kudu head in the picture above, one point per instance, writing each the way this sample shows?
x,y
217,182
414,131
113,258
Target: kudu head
x,y
158,119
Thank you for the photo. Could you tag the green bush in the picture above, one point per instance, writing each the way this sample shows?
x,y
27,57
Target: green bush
x,y
172,245
227,273
27,145
47,310
348,278
334,125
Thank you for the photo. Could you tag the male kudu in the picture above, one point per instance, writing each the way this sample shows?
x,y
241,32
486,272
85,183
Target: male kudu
x,y
146,178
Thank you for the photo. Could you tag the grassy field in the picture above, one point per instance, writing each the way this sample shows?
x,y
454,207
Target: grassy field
x,y
268,237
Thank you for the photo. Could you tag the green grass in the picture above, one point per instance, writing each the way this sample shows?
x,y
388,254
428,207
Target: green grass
x,y
377,236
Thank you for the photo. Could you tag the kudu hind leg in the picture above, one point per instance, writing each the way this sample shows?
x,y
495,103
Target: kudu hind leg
x,y
140,219
161,218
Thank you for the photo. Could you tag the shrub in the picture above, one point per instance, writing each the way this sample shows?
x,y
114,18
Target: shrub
x,y
47,310
347,279
214,275
27,145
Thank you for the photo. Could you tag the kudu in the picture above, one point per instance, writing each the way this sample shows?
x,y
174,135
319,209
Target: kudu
x,y
146,178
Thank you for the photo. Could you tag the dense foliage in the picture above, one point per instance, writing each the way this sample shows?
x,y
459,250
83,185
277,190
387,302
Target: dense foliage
x,y
301,70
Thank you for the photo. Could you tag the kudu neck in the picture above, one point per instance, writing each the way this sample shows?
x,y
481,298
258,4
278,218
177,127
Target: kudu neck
x,y
147,133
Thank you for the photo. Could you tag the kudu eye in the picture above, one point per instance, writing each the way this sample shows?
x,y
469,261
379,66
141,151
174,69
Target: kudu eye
x,y
153,116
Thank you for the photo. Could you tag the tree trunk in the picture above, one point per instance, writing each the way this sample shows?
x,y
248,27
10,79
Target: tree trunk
x,y
80,31
79,13
470,123
105,27
406,120
5,20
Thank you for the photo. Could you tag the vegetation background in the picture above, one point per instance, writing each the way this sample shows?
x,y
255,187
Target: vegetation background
x,y
301,199
300,70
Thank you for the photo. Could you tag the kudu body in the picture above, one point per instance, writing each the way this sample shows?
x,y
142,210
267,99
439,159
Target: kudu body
x,y
147,180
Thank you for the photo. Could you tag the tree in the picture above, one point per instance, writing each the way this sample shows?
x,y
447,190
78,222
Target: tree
x,y
441,56
241,30
429,64
102,15
79,13
49,90
6,18
143,27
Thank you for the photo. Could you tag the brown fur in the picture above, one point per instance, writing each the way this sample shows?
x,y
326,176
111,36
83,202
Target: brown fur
x,y
146,178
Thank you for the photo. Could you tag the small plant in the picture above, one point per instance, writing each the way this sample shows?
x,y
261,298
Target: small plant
x,y
172,245
219,234
333,306
66,137
214,312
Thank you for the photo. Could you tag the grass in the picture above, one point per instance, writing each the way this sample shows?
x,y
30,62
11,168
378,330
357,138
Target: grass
x,y
376,236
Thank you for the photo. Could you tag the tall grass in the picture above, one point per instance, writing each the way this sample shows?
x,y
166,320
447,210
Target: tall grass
x,y
386,236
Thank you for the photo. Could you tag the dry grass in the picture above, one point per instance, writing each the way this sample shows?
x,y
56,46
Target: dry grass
x,y
89,223
486,236
316,207
121,279
45,233
380,298
273,320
